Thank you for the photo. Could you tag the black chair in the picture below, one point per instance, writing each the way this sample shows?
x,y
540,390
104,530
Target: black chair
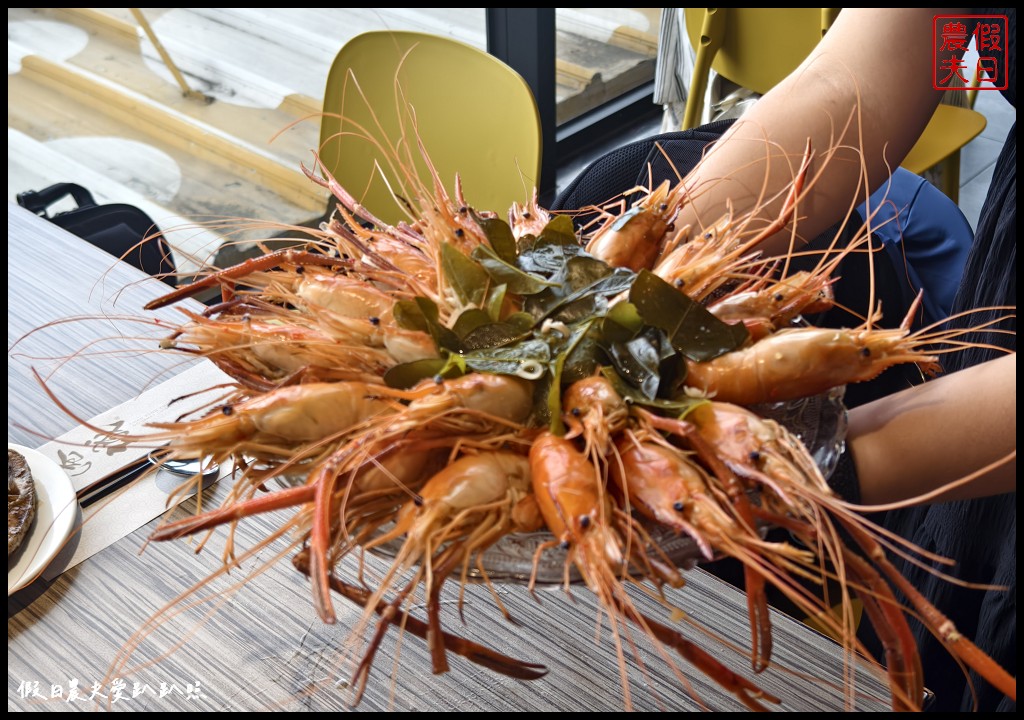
x,y
124,231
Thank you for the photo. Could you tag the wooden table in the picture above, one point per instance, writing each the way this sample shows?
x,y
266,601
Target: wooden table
x,y
259,644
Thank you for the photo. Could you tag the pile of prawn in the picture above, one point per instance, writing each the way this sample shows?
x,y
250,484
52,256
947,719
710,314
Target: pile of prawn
x,y
421,386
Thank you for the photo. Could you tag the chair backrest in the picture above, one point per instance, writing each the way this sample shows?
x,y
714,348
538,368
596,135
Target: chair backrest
x,y
474,115
753,47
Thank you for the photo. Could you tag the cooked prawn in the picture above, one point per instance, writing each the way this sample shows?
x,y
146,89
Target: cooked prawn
x,y
633,239
582,517
800,362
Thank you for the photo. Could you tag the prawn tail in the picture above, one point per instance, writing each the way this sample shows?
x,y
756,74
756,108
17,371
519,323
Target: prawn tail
x,y
747,692
474,652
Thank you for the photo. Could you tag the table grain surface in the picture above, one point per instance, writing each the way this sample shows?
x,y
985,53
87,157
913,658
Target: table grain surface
x,y
250,640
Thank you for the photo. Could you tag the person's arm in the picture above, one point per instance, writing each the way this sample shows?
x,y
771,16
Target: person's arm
x,y
874,66
930,435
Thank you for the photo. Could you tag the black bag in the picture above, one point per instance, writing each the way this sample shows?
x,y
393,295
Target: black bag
x,y
124,231
644,163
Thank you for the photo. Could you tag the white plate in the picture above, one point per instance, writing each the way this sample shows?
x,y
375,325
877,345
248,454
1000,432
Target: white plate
x,y
55,519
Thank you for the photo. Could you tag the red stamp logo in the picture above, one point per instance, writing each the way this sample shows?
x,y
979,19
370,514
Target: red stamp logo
x,y
969,46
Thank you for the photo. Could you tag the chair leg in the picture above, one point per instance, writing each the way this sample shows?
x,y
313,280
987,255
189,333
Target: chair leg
x,y
951,176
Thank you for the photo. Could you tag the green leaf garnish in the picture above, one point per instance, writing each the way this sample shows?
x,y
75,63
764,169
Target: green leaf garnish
x,y
500,237
464,275
691,329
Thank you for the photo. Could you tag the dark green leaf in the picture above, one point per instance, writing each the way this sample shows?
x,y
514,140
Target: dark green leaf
x,y
612,332
409,316
555,391
632,395
638,361
692,330
583,359
443,337
500,237
591,300
409,374
541,414
495,301
518,281
559,231
469,320
547,259
583,271
464,275
528,359
625,315
521,321
493,335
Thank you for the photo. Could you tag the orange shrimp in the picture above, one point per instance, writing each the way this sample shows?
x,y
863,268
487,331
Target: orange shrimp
x,y
741,508
528,219
772,304
580,515
756,448
275,423
739,446
460,512
709,261
473,404
800,362
594,410
227,277
661,483
398,472
264,352
633,239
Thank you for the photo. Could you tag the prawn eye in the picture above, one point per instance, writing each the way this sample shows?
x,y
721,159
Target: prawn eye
x,y
526,215
663,207
575,412
564,545
670,227
459,232
418,501
754,456
227,410
584,521
299,270
374,321
463,210
679,282
678,506
708,235
779,297
865,352
438,380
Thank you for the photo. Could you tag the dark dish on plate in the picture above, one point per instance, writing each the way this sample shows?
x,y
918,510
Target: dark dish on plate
x,y
21,500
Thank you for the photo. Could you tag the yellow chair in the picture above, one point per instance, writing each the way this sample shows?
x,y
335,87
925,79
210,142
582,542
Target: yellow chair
x,y
758,47
474,115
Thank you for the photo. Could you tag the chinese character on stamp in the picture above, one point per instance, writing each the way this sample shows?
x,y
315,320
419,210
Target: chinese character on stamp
x,y
953,36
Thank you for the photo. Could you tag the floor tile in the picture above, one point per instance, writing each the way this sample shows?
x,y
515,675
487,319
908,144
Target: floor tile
x,y
976,156
972,195
999,114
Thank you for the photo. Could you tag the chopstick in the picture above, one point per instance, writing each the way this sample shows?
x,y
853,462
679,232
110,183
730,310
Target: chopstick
x,y
118,479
